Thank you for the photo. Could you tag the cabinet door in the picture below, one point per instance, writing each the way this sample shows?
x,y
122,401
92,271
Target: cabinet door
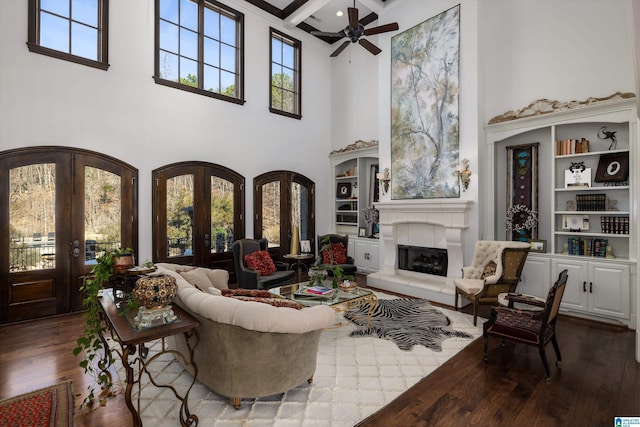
x,y
608,289
576,293
535,278
360,257
374,256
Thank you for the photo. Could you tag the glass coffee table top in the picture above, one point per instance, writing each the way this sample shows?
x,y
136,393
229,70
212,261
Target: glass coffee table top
x,y
336,299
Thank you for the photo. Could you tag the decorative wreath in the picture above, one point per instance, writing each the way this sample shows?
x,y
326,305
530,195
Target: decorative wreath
x,y
517,212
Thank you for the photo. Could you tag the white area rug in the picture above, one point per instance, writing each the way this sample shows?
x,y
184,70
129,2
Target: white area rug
x,y
355,376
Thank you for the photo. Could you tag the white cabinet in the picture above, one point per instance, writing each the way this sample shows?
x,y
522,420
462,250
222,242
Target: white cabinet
x,y
367,255
534,279
589,222
593,287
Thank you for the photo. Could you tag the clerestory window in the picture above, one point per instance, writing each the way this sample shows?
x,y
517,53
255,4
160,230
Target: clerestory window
x,y
73,30
285,94
199,48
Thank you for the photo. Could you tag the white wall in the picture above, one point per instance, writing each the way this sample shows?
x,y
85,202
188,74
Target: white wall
x,y
123,113
560,50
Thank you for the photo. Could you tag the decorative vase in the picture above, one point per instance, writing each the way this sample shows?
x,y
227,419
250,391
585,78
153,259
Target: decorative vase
x,y
123,263
155,291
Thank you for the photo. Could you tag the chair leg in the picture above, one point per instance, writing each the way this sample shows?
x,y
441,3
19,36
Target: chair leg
x,y
235,401
455,302
557,349
475,313
543,356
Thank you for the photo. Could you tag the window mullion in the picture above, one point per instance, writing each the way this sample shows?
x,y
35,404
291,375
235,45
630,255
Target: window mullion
x,y
201,45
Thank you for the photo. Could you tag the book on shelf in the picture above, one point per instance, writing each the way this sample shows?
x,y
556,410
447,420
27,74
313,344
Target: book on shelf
x,y
614,224
591,202
571,146
587,247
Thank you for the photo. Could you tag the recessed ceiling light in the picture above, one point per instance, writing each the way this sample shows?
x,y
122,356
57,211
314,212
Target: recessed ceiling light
x,y
339,13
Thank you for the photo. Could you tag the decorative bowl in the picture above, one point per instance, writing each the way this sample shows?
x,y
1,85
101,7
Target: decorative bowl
x,y
155,291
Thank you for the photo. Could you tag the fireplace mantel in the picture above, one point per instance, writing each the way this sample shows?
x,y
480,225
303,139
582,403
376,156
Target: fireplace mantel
x,y
403,222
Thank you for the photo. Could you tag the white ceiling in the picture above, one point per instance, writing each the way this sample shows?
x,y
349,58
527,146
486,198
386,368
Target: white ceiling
x,y
321,14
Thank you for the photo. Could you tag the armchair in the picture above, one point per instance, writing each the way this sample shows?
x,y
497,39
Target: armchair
x,y
324,257
496,268
250,278
528,327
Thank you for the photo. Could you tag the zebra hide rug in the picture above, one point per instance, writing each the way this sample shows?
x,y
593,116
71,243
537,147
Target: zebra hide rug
x,y
406,322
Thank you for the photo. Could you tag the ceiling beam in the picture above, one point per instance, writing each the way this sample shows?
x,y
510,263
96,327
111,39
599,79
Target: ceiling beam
x,y
303,12
375,6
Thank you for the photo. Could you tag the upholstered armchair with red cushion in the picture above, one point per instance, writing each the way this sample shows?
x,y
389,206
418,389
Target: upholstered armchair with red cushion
x,y
335,253
254,267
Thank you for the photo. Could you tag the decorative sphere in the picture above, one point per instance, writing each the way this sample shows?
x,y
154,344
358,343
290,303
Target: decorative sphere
x,y
155,291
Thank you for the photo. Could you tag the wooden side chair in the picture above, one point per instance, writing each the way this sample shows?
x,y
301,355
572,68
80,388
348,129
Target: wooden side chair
x,y
496,268
528,327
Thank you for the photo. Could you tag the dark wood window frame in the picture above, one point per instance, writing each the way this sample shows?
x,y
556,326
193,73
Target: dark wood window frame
x,y
200,170
218,8
286,179
297,71
33,41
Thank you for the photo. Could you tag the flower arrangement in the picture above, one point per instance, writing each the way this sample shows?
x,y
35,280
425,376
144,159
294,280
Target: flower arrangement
x,y
520,217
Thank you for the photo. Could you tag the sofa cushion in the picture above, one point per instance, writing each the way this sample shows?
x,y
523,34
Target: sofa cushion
x,y
197,278
336,254
261,262
214,291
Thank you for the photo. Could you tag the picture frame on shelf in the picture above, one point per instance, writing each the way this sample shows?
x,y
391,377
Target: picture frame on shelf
x,y
362,232
613,167
575,222
538,246
343,190
577,176
305,246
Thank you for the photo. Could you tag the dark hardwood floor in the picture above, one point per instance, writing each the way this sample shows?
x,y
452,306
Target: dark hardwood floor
x,y
599,379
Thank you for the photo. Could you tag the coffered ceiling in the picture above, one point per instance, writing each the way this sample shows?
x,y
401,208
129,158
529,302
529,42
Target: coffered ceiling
x,y
310,15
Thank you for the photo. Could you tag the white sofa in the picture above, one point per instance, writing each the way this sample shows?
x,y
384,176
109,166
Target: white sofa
x,y
246,348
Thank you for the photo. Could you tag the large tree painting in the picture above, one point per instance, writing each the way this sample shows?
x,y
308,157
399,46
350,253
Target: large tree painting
x,y
424,109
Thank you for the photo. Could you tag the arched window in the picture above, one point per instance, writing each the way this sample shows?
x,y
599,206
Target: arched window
x,y
284,202
198,211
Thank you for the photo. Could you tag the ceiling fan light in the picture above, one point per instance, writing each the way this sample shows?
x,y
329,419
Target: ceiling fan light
x,y
339,13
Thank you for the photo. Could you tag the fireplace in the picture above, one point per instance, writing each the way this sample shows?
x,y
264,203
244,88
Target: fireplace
x,y
422,259
432,223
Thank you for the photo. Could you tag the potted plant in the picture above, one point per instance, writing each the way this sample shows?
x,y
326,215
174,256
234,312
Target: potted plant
x,y
96,361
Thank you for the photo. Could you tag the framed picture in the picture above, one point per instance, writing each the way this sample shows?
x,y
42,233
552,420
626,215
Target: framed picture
x,y
575,222
538,245
343,190
362,232
577,178
613,167
305,246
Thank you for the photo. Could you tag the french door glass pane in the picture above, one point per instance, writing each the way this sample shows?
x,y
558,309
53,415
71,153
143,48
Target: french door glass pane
x,y
102,212
180,190
271,213
221,215
32,217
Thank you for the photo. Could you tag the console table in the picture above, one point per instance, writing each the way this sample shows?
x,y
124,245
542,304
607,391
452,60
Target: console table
x,y
132,351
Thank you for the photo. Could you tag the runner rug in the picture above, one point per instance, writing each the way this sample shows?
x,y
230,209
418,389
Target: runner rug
x,y
406,322
47,407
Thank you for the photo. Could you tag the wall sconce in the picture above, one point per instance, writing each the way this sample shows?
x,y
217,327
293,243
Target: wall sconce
x,y
383,180
464,174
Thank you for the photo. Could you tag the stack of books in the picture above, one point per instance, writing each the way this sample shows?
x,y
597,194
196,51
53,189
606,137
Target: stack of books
x,y
614,224
588,247
591,202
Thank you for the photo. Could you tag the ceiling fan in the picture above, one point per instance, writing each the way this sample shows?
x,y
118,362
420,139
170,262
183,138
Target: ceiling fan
x,y
355,30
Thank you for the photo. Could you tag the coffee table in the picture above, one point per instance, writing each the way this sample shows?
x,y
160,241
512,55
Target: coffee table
x,y
340,300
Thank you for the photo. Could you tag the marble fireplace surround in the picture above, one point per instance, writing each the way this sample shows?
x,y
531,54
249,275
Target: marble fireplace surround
x,y
437,223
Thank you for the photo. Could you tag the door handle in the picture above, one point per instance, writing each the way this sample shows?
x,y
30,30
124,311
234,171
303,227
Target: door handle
x,y
590,287
584,286
207,242
75,251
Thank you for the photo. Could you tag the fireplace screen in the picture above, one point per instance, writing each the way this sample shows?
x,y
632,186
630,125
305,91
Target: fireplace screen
x,y
423,260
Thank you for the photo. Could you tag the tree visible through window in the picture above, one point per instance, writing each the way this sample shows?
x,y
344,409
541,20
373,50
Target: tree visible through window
x,y
199,48
74,30
285,94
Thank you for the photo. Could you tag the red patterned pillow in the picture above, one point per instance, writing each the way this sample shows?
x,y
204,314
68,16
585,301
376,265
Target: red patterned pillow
x,y
338,252
261,262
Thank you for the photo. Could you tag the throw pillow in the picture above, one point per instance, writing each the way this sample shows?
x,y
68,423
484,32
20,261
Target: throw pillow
x,y
214,291
197,278
253,293
276,302
261,262
489,270
336,254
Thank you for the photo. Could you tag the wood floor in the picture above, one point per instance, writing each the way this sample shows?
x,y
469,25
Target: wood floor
x,y
599,379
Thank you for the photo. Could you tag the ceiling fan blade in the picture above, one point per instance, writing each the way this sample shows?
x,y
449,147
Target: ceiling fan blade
x,y
369,46
342,47
381,29
353,18
326,34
